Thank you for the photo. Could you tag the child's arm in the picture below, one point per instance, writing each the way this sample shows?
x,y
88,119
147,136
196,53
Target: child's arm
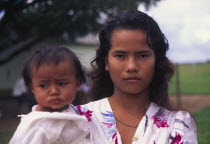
x,y
37,130
33,136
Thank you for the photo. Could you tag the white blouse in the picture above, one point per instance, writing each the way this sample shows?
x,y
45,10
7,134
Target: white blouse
x,y
158,126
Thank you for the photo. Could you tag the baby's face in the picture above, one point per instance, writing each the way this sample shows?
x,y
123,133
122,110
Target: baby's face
x,y
54,86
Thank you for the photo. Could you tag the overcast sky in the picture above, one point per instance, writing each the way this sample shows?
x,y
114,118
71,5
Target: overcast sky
x,y
186,24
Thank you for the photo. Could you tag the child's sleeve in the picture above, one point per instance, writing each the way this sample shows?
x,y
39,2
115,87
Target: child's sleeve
x,y
43,131
184,129
33,136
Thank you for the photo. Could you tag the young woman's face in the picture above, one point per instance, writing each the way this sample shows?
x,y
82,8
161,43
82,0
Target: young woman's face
x,y
54,86
130,62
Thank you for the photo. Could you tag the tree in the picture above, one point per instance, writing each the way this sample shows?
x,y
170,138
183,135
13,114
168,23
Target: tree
x,y
25,22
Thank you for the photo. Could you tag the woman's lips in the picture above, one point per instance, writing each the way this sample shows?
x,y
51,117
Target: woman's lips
x,y
132,79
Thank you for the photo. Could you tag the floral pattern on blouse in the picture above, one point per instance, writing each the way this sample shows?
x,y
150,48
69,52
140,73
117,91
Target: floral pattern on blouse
x,y
87,113
159,119
177,139
158,126
109,125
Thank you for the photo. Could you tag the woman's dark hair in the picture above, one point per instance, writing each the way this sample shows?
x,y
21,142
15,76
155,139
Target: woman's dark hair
x,y
164,69
51,55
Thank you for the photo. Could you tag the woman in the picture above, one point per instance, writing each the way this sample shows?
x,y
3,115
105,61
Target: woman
x,y
131,85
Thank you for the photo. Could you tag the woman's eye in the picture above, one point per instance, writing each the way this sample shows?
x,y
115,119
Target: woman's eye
x,y
120,56
143,56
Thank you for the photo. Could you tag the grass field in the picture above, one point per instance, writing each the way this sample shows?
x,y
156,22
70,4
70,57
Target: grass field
x,y
203,125
194,79
5,136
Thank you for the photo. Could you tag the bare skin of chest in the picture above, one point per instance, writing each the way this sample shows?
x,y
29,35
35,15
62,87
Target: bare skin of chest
x,y
126,133
127,119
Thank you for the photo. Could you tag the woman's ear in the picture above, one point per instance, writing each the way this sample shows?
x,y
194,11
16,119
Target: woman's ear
x,y
106,64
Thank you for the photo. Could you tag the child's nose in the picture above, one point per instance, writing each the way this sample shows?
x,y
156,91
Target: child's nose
x,y
54,91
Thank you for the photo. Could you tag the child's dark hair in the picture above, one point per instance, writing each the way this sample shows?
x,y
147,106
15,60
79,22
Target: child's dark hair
x,y
164,69
51,55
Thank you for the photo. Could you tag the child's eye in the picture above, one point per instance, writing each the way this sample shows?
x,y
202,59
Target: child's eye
x,y
43,85
62,83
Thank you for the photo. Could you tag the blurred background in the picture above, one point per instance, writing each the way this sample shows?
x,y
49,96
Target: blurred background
x,y
26,25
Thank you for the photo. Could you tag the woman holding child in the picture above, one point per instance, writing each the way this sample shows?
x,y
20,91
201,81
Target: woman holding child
x,y
130,86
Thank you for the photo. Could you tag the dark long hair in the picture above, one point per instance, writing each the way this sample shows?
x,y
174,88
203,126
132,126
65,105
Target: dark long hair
x,y
164,69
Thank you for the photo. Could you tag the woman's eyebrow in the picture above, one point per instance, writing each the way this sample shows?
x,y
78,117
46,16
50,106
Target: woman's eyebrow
x,y
138,52
144,52
119,51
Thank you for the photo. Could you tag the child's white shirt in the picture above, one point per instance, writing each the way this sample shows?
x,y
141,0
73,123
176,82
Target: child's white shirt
x,y
66,127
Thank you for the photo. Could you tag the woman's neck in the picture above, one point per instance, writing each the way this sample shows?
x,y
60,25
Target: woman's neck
x,y
132,104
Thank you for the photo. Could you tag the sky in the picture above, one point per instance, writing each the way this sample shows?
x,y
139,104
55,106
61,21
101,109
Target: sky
x,y
186,24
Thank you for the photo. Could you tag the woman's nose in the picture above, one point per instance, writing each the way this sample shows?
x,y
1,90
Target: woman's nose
x,y
132,65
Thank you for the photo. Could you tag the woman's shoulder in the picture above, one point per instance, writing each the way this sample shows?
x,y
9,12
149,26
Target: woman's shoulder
x,y
92,105
180,124
183,127
95,108
174,114
183,120
174,118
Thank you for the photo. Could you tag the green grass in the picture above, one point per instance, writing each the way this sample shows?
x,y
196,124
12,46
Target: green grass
x,y
5,136
194,79
203,125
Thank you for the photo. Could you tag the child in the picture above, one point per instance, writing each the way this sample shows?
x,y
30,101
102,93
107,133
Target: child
x,y
53,75
130,84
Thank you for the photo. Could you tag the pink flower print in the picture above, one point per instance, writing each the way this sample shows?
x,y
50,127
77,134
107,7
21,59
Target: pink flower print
x,y
177,139
159,119
107,124
154,142
115,137
87,113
